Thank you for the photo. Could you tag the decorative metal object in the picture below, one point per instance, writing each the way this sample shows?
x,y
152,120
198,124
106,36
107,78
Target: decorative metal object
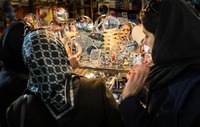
x,y
84,25
61,15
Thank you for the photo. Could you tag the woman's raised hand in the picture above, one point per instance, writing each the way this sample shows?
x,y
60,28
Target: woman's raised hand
x,y
136,79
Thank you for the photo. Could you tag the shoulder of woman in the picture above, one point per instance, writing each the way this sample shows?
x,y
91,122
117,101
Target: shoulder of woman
x,y
93,83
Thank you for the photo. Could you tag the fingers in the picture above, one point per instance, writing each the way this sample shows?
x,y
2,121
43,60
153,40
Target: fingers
x,y
74,62
137,77
77,55
142,73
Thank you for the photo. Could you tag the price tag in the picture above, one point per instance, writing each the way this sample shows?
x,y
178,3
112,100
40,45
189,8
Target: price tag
x,y
137,58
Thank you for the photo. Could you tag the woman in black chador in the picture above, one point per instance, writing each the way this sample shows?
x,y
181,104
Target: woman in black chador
x,y
172,84
14,74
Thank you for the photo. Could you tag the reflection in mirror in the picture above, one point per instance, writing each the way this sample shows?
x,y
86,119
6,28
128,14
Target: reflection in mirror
x,y
111,22
87,45
95,54
125,31
132,46
99,24
71,30
97,34
72,47
84,25
31,20
71,26
59,25
61,15
128,44
44,15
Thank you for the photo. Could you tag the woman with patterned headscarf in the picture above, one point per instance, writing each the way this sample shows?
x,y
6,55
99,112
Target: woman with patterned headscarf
x,y
57,97
172,85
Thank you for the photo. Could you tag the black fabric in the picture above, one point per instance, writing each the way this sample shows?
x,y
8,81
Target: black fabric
x,y
23,110
11,46
176,45
174,80
76,91
96,107
174,106
13,73
12,85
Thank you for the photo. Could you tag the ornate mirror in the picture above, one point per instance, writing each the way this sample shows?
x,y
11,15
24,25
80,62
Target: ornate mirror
x,y
125,31
98,27
86,45
73,47
127,44
71,26
31,20
111,22
61,15
84,25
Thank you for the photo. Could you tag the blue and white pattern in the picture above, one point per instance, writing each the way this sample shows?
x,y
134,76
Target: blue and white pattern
x,y
47,60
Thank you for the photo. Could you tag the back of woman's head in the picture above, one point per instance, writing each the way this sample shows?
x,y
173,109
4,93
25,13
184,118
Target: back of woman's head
x,y
47,61
11,45
150,15
44,50
49,71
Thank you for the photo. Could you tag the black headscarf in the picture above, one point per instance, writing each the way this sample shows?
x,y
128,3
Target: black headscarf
x,y
176,47
11,46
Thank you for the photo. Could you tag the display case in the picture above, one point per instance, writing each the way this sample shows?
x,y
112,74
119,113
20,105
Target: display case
x,y
108,49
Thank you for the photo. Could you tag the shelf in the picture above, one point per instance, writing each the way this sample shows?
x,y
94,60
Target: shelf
x,y
82,7
78,6
126,10
100,67
19,3
73,9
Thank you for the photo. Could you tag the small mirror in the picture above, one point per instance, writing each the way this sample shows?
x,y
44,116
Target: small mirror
x,y
71,30
72,47
98,28
97,34
127,44
111,22
31,20
84,25
59,25
71,26
87,46
125,31
61,15
44,15
95,54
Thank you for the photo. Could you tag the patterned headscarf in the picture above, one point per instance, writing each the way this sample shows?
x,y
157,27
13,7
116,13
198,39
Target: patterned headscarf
x,y
50,72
